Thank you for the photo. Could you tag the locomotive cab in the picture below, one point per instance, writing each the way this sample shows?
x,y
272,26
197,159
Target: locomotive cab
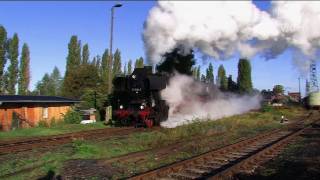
x,y
136,98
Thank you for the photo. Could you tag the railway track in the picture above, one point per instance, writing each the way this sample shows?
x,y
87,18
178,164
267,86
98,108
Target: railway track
x,y
224,163
15,146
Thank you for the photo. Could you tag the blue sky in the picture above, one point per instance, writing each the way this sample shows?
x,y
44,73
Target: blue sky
x,y
48,26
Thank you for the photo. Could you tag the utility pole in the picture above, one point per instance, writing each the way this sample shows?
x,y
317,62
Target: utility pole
x,y
110,56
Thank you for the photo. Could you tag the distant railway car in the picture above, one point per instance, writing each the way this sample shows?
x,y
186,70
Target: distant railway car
x,y
136,99
312,101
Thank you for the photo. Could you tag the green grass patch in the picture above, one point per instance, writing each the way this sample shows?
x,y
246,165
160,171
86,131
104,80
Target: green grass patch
x,y
59,128
233,128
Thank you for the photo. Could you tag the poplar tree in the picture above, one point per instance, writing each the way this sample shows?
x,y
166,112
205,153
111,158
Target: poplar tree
x,y
44,86
139,63
105,71
203,78
56,79
116,69
74,55
97,64
209,74
194,72
3,58
198,73
85,54
13,53
222,78
232,86
307,87
73,64
244,76
125,69
130,66
24,72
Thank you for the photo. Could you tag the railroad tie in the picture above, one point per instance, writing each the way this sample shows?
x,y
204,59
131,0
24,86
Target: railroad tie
x,y
208,166
247,151
216,163
239,154
221,159
183,175
196,171
233,156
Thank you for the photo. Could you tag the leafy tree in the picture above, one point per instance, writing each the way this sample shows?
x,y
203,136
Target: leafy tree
x,y
43,87
72,67
13,53
194,72
24,72
307,87
97,63
232,86
49,85
74,55
85,54
198,73
87,77
116,69
93,98
125,69
105,71
244,76
176,61
278,89
222,78
3,58
94,61
5,82
130,66
139,63
203,78
56,80
209,74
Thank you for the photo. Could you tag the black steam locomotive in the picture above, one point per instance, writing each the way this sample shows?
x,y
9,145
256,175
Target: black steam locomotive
x,y
136,99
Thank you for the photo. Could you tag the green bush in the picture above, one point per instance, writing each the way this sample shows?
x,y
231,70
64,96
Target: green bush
x,y
72,117
43,123
267,108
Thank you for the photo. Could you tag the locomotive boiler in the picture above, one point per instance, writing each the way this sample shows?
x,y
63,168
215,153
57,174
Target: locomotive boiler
x,y
136,99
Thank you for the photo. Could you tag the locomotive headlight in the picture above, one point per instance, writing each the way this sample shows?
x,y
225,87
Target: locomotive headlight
x,y
121,107
142,107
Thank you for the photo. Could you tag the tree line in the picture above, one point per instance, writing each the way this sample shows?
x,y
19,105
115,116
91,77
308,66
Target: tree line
x,y
14,67
243,84
87,78
184,63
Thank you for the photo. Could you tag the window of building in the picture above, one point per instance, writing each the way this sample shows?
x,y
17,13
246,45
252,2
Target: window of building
x,y
45,112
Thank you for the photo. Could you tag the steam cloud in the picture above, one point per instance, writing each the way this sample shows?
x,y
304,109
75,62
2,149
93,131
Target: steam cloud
x,y
223,29
187,100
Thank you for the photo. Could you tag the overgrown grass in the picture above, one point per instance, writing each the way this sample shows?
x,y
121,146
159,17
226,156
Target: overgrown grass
x,y
234,127
59,128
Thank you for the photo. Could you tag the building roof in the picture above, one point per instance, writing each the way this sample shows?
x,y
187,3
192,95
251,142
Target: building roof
x,y
35,99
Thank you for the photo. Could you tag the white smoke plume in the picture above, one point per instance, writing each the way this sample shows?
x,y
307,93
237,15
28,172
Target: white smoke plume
x,y
223,29
188,100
